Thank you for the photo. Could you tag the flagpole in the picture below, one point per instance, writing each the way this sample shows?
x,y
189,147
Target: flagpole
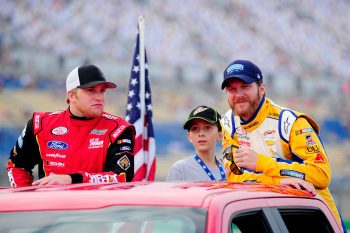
x,y
139,111
142,72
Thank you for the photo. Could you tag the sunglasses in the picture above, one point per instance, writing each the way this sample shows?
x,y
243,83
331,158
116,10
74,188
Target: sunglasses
x,y
229,156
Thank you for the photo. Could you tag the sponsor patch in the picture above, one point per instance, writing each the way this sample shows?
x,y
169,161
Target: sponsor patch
x,y
301,131
121,141
59,130
319,159
270,142
309,140
108,116
270,137
124,162
269,133
98,178
98,131
252,124
57,145
124,148
234,68
242,137
312,149
118,131
244,143
292,173
240,131
54,164
57,155
95,143
36,121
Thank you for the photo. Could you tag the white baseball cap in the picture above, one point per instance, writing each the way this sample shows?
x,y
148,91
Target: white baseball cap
x,y
86,76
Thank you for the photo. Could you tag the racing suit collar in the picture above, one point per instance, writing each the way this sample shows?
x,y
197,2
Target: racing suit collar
x,y
77,117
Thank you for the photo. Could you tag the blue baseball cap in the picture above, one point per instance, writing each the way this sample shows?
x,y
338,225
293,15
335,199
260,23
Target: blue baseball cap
x,y
244,70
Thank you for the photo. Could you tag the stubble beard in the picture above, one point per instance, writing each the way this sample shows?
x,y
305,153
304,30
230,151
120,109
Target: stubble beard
x,y
94,113
247,112
90,112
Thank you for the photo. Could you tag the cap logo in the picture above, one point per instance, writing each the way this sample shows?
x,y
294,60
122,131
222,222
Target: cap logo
x,y
234,68
198,110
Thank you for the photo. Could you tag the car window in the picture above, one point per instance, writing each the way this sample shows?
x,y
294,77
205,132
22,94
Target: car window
x,y
251,221
296,220
110,220
305,220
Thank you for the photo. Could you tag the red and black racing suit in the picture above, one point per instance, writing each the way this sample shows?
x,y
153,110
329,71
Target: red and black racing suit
x,y
89,150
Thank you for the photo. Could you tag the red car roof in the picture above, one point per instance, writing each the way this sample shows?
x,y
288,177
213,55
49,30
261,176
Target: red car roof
x,y
91,196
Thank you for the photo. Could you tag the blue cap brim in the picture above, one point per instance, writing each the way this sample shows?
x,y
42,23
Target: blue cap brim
x,y
244,78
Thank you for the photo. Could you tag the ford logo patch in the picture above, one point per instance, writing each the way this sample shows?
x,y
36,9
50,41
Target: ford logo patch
x,y
57,145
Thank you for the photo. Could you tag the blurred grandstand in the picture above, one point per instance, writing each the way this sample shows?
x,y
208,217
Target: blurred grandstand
x,y
303,48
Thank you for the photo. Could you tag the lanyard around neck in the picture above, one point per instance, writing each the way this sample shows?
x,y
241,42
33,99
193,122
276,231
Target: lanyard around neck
x,y
206,169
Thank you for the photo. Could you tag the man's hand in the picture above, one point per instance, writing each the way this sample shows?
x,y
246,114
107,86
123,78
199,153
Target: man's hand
x,y
299,184
54,179
246,157
227,167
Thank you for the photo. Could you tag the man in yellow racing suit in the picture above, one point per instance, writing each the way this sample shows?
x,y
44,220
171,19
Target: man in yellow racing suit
x,y
268,142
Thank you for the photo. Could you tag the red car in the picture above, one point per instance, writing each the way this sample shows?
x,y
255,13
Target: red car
x,y
163,207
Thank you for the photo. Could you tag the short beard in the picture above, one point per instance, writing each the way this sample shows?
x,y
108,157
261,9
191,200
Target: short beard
x,y
250,110
93,114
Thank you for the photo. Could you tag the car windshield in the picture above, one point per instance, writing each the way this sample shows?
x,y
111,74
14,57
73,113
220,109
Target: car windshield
x,y
124,219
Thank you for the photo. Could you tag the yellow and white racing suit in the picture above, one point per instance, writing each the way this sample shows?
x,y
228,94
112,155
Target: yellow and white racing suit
x,y
287,143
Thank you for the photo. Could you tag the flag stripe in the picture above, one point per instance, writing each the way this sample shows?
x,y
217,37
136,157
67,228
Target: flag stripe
x,y
145,148
138,144
140,173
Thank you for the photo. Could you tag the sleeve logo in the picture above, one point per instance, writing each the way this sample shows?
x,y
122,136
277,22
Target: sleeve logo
x,y
124,162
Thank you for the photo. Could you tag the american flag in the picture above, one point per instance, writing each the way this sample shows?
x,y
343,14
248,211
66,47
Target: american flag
x,y
145,149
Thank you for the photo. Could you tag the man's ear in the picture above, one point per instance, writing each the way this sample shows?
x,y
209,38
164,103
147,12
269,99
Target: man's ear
x,y
71,96
262,89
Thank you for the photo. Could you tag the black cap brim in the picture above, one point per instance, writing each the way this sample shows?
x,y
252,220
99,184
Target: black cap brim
x,y
94,83
244,78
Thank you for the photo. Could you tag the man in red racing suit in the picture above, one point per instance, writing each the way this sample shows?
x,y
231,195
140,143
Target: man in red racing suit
x,y
74,148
